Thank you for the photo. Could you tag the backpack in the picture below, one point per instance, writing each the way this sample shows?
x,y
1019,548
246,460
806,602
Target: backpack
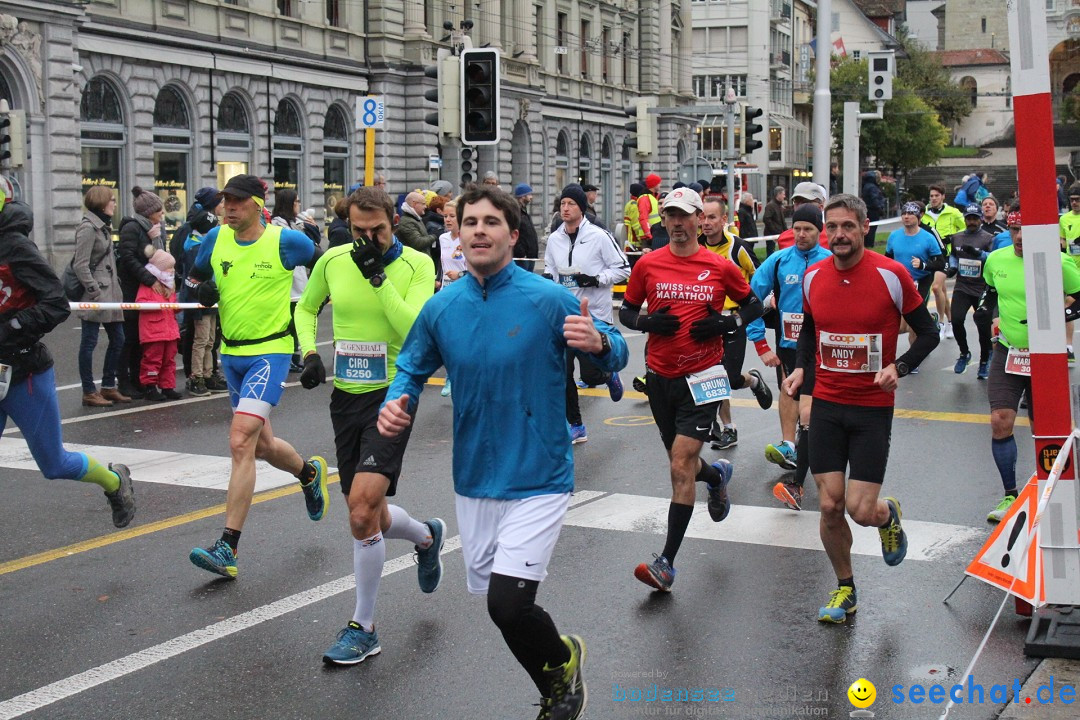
x,y
961,198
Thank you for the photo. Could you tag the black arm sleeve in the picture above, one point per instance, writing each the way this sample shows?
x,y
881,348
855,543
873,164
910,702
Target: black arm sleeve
x,y
51,307
805,352
936,264
926,336
628,315
750,309
889,254
989,300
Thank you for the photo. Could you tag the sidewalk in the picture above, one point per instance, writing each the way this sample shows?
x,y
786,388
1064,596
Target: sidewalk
x,y
1063,672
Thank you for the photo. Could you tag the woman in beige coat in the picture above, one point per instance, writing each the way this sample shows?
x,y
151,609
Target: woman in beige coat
x,y
95,266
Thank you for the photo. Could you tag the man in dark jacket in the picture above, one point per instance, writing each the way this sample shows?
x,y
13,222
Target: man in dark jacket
x,y
773,217
747,223
32,304
528,244
874,199
410,229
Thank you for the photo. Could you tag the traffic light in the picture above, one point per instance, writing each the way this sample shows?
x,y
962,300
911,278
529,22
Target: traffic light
x,y
447,72
468,165
881,75
480,96
642,129
747,143
13,138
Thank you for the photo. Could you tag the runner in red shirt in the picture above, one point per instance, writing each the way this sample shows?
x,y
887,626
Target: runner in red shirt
x,y
685,286
852,305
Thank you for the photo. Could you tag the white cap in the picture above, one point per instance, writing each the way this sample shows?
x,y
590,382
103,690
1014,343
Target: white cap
x,y
684,199
809,191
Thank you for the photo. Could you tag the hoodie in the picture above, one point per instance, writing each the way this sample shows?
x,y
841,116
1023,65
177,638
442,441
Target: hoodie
x,y
32,300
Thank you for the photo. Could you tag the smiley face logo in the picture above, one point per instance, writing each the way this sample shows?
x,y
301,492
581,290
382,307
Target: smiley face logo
x,y
862,693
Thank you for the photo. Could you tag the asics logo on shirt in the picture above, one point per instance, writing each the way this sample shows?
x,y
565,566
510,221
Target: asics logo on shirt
x,y
704,274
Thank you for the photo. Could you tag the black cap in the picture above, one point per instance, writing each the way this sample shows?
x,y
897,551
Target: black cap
x,y
245,186
590,188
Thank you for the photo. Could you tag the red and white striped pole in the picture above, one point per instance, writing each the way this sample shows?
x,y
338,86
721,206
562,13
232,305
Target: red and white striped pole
x,y
1050,397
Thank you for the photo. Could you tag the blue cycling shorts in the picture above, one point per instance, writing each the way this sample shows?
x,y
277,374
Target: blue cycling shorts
x,y
255,382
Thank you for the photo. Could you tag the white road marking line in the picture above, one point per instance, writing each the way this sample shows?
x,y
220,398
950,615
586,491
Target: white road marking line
x,y
778,527
156,466
62,689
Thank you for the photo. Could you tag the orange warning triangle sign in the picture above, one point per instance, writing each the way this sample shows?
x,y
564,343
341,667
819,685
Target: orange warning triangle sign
x,y
1009,558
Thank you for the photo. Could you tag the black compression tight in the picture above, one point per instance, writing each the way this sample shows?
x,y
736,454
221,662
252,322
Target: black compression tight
x,y
526,627
961,304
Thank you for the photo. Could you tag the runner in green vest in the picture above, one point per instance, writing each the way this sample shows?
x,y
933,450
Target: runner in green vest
x,y
252,266
377,286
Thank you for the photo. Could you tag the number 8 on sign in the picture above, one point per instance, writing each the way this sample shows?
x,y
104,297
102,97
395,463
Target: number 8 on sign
x,y
370,112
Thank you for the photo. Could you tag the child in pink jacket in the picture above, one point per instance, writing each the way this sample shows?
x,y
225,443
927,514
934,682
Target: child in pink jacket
x,y
159,332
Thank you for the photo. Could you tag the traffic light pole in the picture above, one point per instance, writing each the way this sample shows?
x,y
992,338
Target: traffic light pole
x,y
852,119
731,155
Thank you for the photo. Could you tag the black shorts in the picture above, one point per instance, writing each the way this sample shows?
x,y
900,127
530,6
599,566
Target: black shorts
x,y
674,410
925,286
360,446
850,435
1003,389
787,366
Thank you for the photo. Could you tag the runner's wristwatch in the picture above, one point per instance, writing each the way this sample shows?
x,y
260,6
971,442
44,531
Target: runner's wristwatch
x,y
605,345
377,280
902,368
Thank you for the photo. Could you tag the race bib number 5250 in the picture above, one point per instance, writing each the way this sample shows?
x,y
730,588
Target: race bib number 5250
x,y
849,352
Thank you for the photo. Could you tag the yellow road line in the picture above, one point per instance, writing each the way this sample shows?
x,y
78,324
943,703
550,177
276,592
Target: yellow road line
x,y
106,540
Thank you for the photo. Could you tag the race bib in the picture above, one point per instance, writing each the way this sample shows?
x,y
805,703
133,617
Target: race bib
x,y
709,386
1018,362
360,362
567,277
5,380
850,353
791,325
1074,248
970,268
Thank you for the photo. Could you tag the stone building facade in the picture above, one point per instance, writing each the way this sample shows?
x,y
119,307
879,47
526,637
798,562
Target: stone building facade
x,y
172,95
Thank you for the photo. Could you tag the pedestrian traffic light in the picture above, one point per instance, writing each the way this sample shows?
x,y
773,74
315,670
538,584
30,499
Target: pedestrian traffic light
x,y
881,75
447,72
12,138
642,130
480,96
468,165
747,142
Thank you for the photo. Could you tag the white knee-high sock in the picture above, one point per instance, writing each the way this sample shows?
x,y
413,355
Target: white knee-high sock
x,y
368,558
404,527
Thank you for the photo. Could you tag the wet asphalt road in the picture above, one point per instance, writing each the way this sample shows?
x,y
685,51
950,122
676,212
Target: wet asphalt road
x,y
120,624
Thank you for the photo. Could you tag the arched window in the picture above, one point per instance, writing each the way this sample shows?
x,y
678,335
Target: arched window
x,y
562,160
585,164
288,146
972,87
172,155
335,158
607,182
232,137
103,135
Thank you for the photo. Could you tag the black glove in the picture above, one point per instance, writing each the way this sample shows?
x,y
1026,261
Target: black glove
x,y
584,280
368,256
314,374
548,276
982,315
969,252
207,294
659,322
713,325
950,272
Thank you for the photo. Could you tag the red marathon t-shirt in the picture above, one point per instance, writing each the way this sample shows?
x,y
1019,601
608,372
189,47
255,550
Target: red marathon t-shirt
x,y
856,316
688,285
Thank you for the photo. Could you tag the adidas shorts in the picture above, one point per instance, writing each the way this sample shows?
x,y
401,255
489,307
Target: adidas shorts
x,y
360,446
510,537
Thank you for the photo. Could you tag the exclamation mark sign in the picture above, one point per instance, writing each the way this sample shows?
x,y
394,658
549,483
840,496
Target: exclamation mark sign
x,y
1018,526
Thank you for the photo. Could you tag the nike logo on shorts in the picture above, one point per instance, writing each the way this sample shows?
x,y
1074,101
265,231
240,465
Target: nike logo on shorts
x,y
529,564
702,429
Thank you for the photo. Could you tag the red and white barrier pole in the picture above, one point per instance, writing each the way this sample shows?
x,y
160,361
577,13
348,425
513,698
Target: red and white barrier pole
x,y
1050,397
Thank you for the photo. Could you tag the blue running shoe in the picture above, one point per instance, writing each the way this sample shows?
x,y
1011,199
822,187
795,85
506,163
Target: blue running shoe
x,y
842,602
659,573
578,434
962,363
581,384
719,504
984,370
445,392
614,387
352,646
429,559
893,537
315,496
218,558
781,454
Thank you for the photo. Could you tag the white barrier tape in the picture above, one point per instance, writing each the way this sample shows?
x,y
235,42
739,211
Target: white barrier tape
x,y
147,306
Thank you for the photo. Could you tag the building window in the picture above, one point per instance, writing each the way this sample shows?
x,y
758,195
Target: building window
x,y
333,13
233,138
335,158
1008,91
700,84
585,165
103,136
626,58
969,83
856,55
288,147
562,159
172,155
560,41
586,43
605,54
541,36
984,26
285,7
